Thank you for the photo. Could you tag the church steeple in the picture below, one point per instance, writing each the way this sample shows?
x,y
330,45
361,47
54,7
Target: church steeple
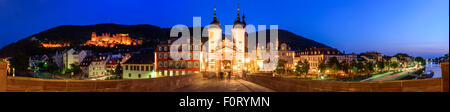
x,y
238,18
215,20
237,21
243,17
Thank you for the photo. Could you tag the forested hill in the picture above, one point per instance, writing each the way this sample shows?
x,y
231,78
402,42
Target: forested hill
x,y
151,36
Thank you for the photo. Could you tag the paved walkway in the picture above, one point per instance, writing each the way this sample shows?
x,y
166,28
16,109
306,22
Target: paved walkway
x,y
216,85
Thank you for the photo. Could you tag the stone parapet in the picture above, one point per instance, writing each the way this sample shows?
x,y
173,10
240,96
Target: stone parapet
x,y
282,84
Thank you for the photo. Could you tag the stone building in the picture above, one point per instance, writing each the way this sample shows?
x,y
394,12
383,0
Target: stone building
x,y
317,55
139,66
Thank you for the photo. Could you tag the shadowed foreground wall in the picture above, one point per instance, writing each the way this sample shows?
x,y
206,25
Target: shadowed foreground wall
x,y
163,84
298,85
24,84
444,68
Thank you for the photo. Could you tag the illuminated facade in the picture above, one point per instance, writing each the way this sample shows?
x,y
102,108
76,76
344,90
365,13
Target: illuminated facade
x,y
226,54
108,40
55,45
316,55
139,66
215,54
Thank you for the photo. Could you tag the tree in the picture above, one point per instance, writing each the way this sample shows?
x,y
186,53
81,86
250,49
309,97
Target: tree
x,y
118,71
322,66
333,64
380,65
298,67
52,67
345,66
280,67
420,61
394,65
370,66
353,64
360,67
446,57
305,67
75,68
20,62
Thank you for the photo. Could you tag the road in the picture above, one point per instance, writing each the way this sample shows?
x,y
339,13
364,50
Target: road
x,y
217,85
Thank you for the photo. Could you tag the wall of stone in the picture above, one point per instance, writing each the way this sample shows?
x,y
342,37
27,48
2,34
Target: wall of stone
x,y
297,85
163,84
3,77
444,68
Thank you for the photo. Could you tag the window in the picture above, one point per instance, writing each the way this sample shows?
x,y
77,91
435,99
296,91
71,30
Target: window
x,y
126,67
137,68
160,64
147,68
196,64
139,75
129,75
142,68
166,55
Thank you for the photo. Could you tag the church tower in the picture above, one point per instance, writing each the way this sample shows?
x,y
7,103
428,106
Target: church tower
x,y
214,40
238,34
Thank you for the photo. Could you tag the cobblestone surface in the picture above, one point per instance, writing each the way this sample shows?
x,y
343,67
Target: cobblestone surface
x,y
217,85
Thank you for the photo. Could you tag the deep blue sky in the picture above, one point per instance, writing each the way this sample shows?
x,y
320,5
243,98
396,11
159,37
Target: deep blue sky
x,y
416,27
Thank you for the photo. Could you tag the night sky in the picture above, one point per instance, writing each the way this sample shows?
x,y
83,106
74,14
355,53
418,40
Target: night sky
x,y
416,27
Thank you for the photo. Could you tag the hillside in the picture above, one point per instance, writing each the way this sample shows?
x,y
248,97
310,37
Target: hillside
x,y
151,35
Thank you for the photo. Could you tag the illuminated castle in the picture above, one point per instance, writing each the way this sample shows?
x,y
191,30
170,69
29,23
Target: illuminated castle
x,y
55,45
108,40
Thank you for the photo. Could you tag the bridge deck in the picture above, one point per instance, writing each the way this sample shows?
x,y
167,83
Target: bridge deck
x,y
217,85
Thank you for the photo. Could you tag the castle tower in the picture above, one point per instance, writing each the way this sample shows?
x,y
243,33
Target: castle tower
x,y
238,34
94,36
214,40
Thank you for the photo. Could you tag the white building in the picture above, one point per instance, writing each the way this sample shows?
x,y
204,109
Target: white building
x,y
139,66
97,68
72,56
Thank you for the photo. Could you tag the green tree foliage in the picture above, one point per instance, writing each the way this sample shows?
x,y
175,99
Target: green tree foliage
x,y
446,57
75,68
333,64
420,61
394,65
52,67
280,67
298,67
305,67
380,65
345,66
20,62
118,71
322,66
370,66
360,67
353,64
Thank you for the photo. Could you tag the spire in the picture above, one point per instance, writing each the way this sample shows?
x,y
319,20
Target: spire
x,y
243,17
238,16
215,15
215,20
